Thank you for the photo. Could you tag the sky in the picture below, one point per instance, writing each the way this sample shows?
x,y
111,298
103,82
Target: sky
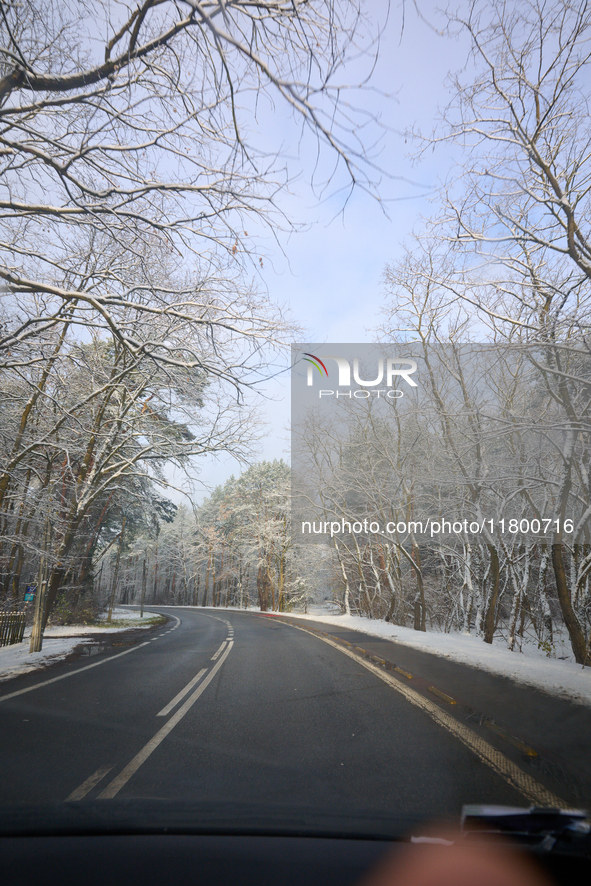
x,y
329,275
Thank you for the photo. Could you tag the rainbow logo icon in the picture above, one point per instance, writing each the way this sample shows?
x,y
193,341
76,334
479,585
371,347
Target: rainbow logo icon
x,y
317,362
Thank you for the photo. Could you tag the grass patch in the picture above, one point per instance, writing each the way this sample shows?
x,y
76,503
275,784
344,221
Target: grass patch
x,y
153,621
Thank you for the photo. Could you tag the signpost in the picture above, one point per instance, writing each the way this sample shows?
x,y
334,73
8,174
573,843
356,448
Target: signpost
x,y
30,593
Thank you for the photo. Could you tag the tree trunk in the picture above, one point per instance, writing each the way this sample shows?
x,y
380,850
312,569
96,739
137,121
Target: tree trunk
x,y
575,632
143,597
206,583
419,605
116,573
263,587
489,618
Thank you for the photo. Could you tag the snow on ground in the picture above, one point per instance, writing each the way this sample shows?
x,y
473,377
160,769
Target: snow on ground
x,y
16,659
60,640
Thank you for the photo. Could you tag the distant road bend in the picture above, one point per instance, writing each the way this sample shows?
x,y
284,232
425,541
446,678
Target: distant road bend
x,y
229,705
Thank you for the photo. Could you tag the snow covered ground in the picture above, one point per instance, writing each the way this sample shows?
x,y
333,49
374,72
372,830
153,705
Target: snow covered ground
x,y
59,641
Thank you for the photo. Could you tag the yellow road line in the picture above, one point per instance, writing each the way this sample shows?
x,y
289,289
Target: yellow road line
x,y
442,695
510,739
404,673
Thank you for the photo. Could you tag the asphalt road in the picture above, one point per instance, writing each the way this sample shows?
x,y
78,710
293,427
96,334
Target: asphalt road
x,y
248,708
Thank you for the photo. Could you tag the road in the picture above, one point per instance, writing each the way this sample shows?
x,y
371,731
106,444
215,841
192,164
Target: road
x,y
230,705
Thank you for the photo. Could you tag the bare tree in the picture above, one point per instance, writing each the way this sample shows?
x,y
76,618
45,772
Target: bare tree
x,y
515,219
517,210
134,123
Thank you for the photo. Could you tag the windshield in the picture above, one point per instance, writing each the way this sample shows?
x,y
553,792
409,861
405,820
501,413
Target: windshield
x,y
258,586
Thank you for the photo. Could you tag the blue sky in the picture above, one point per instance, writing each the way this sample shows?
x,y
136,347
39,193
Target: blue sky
x,y
329,275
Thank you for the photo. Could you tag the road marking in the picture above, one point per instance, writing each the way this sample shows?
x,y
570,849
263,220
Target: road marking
x,y
115,786
86,786
178,621
442,695
71,673
172,704
219,652
85,668
520,745
216,617
404,673
533,790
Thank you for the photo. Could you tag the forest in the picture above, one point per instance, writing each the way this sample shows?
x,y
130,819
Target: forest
x,y
133,328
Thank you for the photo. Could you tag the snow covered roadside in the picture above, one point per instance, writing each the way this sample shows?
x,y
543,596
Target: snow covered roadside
x,y
59,641
562,678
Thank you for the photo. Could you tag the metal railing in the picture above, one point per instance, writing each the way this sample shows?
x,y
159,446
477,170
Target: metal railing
x,y
12,627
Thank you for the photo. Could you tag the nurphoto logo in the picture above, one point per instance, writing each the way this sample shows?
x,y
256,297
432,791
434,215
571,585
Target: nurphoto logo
x,y
388,369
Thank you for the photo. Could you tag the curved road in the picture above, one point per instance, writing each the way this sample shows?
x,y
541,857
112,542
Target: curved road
x,y
249,708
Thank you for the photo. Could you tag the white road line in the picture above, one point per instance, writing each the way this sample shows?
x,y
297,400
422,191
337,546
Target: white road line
x,y
115,786
535,792
85,668
219,652
72,673
86,786
216,618
172,704
174,627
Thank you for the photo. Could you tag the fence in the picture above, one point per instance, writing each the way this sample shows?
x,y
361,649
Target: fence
x,y
12,627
